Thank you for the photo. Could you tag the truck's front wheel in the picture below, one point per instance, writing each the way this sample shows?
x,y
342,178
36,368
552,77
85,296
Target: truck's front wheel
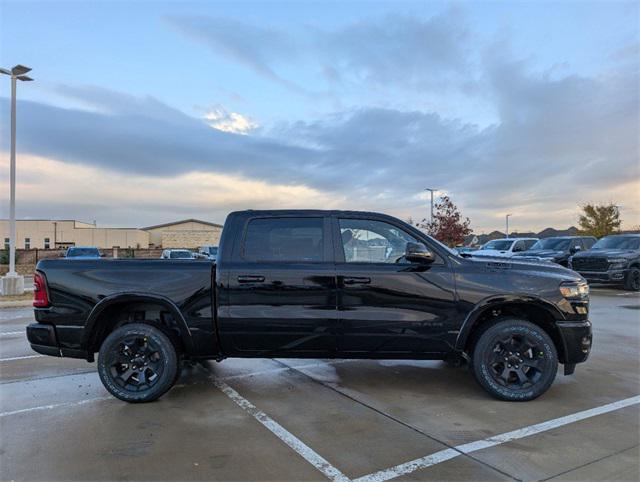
x,y
515,360
137,363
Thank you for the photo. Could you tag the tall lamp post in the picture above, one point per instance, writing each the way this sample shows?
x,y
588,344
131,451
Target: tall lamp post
x,y
12,284
507,219
431,191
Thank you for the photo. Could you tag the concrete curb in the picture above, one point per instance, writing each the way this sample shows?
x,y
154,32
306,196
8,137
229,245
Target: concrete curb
x,y
16,304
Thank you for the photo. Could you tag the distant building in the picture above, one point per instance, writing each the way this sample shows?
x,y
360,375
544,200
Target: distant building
x,y
188,233
52,234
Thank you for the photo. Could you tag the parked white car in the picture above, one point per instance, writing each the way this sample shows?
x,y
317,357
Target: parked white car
x,y
177,254
209,252
505,248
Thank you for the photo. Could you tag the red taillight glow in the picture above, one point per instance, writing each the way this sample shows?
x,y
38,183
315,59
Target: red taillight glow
x,y
40,295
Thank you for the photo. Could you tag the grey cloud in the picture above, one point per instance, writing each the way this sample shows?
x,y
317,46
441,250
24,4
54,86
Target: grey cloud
x,y
556,138
257,48
397,49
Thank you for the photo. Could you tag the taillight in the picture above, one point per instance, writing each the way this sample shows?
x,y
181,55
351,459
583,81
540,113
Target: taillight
x,y
40,295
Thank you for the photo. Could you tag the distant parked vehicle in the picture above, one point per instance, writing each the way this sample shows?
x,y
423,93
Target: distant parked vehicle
x,y
506,247
465,249
177,254
613,260
558,249
82,252
210,252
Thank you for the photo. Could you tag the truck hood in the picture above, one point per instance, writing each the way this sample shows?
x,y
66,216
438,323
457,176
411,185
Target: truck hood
x,y
541,253
528,266
607,253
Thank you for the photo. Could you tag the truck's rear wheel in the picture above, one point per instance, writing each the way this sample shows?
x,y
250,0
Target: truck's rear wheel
x,y
515,360
137,363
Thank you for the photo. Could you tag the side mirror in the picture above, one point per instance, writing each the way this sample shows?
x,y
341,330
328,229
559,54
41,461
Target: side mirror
x,y
418,253
575,249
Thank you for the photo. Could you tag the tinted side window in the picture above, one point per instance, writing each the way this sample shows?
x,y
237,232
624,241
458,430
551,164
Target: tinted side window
x,y
588,242
528,243
368,241
284,239
519,246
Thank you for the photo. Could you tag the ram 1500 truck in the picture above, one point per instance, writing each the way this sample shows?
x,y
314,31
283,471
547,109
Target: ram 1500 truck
x,y
314,284
613,260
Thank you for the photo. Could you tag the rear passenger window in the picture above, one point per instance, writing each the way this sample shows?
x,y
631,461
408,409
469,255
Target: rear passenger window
x,y
284,239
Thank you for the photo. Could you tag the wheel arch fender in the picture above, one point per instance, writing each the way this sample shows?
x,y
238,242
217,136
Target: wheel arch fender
x,y
497,302
92,326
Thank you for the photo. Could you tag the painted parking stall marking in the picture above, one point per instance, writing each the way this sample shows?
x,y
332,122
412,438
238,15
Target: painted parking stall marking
x,y
12,333
283,434
444,455
14,358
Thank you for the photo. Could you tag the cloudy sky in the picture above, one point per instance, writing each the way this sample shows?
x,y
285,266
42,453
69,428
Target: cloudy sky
x,y
150,112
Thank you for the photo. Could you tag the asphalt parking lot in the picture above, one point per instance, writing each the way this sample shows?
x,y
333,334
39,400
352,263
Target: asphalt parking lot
x,y
319,419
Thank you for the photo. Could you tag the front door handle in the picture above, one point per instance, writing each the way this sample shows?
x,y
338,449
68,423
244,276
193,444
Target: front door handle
x,y
250,279
356,280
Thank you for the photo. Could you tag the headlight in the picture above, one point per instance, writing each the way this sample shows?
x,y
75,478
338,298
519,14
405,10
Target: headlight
x,y
575,289
617,262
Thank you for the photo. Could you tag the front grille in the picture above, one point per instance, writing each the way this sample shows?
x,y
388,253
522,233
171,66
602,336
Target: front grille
x,y
590,264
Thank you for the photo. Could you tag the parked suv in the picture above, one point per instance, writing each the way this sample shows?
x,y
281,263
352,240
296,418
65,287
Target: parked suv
x,y
613,259
505,248
558,249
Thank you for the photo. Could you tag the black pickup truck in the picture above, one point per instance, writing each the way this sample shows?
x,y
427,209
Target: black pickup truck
x,y
314,284
613,260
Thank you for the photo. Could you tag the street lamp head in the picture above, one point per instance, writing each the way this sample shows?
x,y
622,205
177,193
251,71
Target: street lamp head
x,y
20,70
5,71
25,78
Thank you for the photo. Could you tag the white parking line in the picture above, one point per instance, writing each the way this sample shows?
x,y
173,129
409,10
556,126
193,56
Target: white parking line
x,y
444,455
55,405
14,358
11,333
283,434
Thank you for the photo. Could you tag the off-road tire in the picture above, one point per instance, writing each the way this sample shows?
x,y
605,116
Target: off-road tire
x,y
491,361
163,357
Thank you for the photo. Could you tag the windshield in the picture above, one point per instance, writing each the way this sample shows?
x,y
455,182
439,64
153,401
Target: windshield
x,y
498,244
618,242
93,252
180,255
555,244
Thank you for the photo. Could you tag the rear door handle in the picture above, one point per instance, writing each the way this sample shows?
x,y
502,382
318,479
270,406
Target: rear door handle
x,y
356,280
250,279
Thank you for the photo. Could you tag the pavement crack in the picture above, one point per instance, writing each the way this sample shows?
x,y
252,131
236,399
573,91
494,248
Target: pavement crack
x,y
589,463
399,421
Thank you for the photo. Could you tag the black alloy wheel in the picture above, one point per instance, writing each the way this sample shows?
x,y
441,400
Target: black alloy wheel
x,y
515,360
633,279
137,363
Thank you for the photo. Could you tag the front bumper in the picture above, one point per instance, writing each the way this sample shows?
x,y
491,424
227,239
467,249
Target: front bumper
x,y
577,340
612,276
42,339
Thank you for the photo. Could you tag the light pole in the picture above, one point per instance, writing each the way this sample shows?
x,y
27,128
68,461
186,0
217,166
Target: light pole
x,y
507,218
12,283
431,191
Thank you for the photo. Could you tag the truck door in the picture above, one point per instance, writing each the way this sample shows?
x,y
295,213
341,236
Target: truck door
x,y
281,296
388,307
